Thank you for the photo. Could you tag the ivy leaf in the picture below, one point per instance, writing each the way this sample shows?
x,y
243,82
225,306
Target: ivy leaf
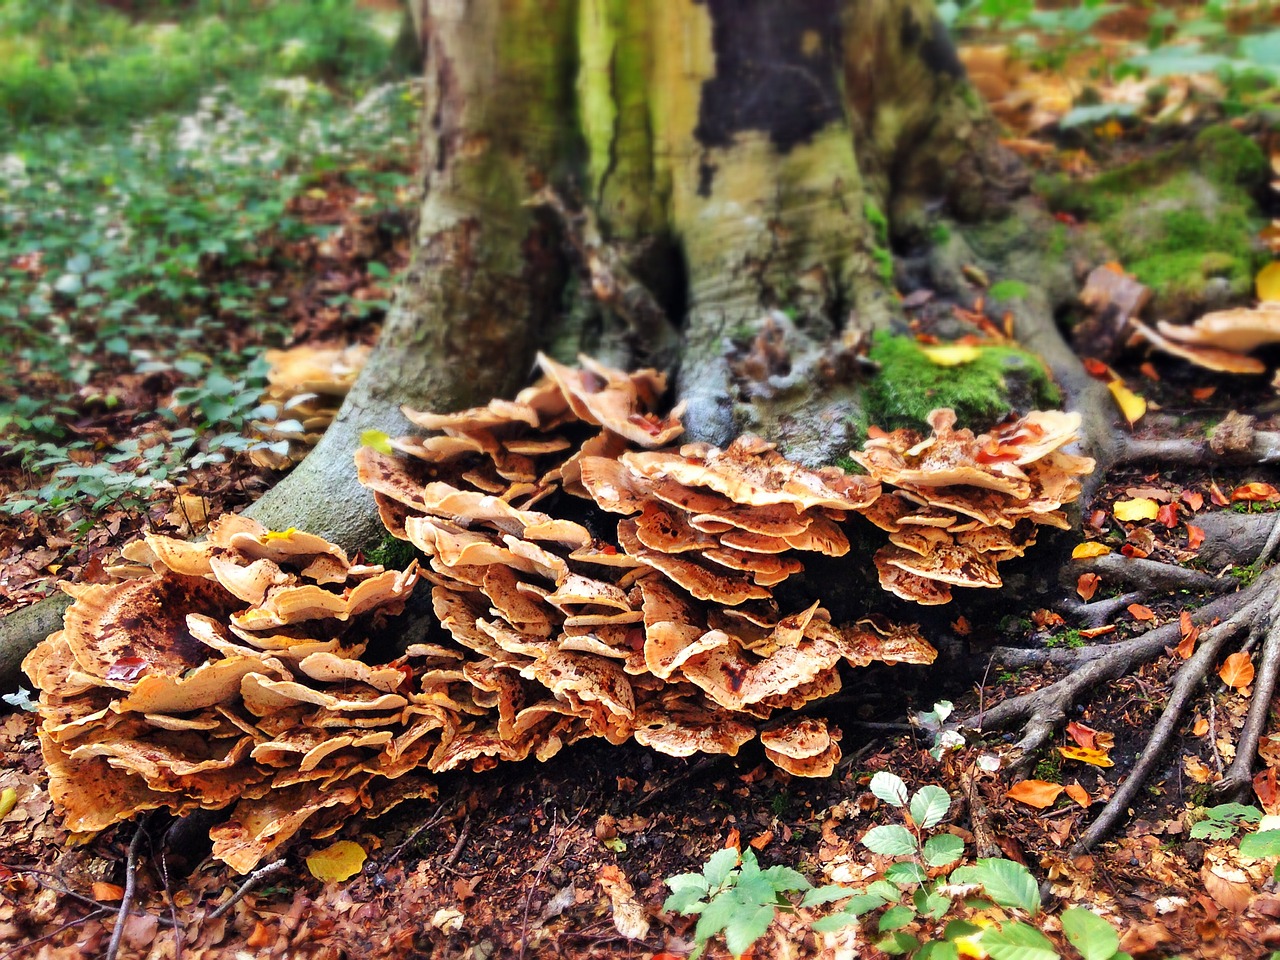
x,y
889,788
1090,934
890,840
929,806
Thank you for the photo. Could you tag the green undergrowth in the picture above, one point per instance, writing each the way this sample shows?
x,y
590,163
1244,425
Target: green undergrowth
x,y
1182,220
144,265
64,62
909,385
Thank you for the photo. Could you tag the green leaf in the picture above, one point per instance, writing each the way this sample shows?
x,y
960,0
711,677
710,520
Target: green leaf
x,y
938,950
1007,883
1263,844
929,806
827,894
889,788
683,901
885,890
942,850
784,879
1017,941
716,916
930,904
896,917
890,840
898,943
746,928
1090,934
906,873
834,922
960,928
719,865
687,881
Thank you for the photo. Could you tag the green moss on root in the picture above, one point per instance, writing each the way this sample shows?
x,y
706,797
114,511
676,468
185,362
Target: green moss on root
x,y
981,392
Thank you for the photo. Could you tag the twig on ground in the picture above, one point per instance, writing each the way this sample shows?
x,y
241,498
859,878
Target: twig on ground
x,y
394,855
173,907
1188,679
984,840
130,885
249,883
1239,775
537,877
462,840
1213,735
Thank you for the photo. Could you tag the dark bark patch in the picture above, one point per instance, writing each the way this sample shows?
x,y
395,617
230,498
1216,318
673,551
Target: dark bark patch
x,y
936,49
777,65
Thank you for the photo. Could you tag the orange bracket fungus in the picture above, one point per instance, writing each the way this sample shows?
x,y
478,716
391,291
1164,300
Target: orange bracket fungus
x,y
234,673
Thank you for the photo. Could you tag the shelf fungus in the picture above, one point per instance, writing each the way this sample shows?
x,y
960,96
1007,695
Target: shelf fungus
x,y
589,579
964,503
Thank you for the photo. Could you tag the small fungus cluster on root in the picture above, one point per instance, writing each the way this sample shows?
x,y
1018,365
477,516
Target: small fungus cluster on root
x,y
964,503
258,700
230,672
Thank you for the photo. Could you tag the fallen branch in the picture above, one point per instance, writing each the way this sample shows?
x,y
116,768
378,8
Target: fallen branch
x,y
1239,777
250,882
130,886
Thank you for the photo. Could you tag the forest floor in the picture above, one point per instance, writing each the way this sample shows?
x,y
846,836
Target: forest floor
x,y
116,423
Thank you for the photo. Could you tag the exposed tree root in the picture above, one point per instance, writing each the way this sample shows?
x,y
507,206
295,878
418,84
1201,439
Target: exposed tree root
x,y
1239,777
1149,576
1043,710
1100,612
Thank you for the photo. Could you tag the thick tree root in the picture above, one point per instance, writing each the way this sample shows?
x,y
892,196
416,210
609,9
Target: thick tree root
x,y
1147,576
1239,778
1100,612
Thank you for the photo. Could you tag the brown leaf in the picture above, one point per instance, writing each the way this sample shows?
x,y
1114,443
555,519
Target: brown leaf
x,y
1195,769
1093,632
1237,670
629,918
1079,794
1035,793
961,626
1219,498
107,891
1193,499
1139,612
1200,728
1267,791
1231,895
1168,515
1087,586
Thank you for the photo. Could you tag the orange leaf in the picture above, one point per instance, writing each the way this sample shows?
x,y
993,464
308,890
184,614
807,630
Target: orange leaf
x,y
1129,550
1195,769
762,841
734,840
107,891
1168,515
1098,370
1087,586
1035,793
1044,618
1203,393
962,627
1140,612
1193,499
1237,670
1201,727
1098,631
1267,791
1255,491
260,936
1149,371
1195,536
1083,736
1095,758
1079,794
1217,496
1086,551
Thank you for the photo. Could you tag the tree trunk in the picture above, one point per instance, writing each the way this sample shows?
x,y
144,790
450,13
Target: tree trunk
x,y
600,174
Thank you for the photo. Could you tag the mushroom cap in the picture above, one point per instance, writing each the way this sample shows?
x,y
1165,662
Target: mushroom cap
x,y
1211,358
1239,330
701,582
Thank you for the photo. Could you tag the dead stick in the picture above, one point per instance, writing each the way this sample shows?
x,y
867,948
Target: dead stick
x,y
457,847
249,883
126,902
1188,678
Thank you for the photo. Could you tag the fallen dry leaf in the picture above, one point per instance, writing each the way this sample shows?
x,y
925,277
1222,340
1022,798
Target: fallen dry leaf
x,y
1201,727
1087,586
629,918
1168,515
1035,793
1195,536
1232,893
1193,499
1267,791
338,862
1219,498
1086,551
1095,758
107,891
1140,508
1140,612
1131,405
1079,794
1203,393
1237,670
1267,282
1195,769
1083,736
1093,632
762,841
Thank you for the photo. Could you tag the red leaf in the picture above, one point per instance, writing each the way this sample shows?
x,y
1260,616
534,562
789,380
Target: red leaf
x,y
1129,550
1082,735
1195,536
1193,499
1168,515
1087,586
1219,498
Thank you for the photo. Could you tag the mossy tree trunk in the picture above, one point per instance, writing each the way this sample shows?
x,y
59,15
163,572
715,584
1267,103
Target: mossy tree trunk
x,y
651,180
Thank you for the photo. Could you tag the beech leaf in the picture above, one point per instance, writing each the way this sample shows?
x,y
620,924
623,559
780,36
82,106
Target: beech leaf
x,y
1086,551
1035,793
1096,758
336,863
1139,508
1131,405
1237,670
1087,586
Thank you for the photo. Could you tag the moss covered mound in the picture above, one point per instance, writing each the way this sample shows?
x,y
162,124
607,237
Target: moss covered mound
x,y
1183,221
981,391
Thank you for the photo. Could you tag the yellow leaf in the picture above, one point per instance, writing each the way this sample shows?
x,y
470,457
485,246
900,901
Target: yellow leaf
x,y
342,861
8,800
952,354
1237,670
1085,551
1268,282
1096,758
1130,404
281,534
317,194
376,440
1035,793
1140,508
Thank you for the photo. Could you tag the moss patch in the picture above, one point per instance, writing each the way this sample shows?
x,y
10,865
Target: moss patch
x,y
1181,220
391,553
981,392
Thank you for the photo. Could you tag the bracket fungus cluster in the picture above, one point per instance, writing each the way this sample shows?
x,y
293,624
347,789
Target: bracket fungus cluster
x,y
963,503
592,580
230,674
